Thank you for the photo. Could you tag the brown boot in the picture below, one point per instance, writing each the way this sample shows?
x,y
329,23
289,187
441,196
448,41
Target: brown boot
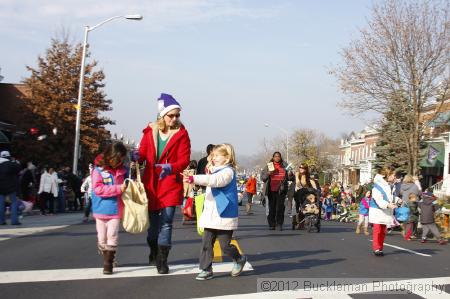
x,y
366,231
108,259
358,229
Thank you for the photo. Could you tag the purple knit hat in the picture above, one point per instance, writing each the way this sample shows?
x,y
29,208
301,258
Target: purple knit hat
x,y
166,102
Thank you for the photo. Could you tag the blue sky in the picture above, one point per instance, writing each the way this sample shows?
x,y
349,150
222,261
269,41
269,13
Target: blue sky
x,y
233,65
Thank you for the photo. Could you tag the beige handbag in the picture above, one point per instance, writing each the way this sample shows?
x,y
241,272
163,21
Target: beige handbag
x,y
135,214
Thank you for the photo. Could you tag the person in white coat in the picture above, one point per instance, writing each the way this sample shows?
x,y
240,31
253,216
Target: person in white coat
x,y
48,190
220,210
86,188
382,205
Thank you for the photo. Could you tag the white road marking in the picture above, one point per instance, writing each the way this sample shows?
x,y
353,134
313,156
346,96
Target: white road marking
x,y
434,292
405,249
97,273
9,233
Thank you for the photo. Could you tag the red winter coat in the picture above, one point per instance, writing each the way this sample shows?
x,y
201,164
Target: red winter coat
x,y
250,187
167,192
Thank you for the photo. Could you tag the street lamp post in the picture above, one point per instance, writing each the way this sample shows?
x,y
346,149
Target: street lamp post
x,y
287,139
76,150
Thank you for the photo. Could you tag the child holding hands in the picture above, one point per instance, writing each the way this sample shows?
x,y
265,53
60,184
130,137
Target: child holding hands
x,y
220,211
107,187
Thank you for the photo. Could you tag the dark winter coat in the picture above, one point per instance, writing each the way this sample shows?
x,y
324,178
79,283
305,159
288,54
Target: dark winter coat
x,y
413,211
9,172
201,165
427,210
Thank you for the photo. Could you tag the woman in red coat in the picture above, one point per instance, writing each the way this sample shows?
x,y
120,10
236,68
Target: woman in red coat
x,y
166,148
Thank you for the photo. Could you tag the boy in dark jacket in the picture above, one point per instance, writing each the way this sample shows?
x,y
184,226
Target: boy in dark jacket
x,y
427,218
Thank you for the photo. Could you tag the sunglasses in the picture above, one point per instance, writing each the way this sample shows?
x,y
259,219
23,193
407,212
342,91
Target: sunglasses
x,y
173,115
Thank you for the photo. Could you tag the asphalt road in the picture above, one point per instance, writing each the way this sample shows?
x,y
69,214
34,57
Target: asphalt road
x,y
336,252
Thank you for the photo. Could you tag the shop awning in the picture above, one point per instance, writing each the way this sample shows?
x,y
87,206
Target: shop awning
x,y
433,155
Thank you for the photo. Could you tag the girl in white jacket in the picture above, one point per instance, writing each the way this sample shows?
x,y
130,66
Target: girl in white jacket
x,y
382,205
48,190
220,211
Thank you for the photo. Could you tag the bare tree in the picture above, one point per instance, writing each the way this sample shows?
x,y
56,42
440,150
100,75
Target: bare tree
x,y
401,58
313,148
305,146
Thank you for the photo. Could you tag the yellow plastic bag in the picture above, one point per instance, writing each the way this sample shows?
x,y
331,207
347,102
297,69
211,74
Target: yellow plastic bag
x,y
135,214
199,201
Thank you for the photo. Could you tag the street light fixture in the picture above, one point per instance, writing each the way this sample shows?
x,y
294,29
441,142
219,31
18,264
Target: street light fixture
x,y
76,150
287,139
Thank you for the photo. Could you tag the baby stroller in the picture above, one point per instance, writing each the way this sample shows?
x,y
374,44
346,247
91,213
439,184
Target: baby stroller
x,y
308,215
312,222
311,210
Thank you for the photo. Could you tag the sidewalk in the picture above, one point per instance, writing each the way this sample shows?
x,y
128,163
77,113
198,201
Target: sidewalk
x,y
39,223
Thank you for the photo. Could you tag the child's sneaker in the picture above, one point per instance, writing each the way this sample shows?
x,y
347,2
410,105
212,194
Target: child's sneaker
x,y
238,266
204,275
423,241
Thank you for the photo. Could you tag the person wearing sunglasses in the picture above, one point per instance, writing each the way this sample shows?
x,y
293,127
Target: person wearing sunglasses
x,y
166,148
304,185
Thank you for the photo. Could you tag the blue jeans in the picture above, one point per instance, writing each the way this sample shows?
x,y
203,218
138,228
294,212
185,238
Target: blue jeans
x,y
14,208
161,226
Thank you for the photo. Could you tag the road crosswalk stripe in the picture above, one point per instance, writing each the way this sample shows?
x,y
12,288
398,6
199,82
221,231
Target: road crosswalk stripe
x,y
367,288
96,273
405,249
9,233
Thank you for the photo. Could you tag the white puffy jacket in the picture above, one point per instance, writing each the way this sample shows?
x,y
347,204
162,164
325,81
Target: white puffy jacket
x,y
383,214
48,184
210,218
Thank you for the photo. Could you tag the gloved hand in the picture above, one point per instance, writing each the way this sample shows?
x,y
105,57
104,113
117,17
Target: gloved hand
x,y
134,156
166,169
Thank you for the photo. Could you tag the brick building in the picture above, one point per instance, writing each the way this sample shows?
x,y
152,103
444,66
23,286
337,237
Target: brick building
x,y
12,111
357,151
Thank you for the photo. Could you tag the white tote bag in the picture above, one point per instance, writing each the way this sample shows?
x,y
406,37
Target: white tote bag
x,y
135,215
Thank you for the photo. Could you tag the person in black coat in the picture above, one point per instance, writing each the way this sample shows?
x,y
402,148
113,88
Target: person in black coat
x,y
201,165
74,183
9,172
